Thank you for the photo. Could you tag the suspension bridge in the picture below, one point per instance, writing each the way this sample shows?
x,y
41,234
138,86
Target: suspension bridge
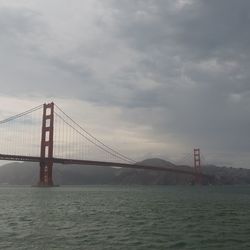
x,y
46,134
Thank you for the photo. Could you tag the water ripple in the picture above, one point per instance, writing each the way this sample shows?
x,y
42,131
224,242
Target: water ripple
x,y
138,218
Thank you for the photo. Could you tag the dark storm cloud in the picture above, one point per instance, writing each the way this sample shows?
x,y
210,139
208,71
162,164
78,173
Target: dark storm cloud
x,y
199,55
208,28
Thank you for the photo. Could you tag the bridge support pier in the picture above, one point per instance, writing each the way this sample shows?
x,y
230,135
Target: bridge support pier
x,y
46,163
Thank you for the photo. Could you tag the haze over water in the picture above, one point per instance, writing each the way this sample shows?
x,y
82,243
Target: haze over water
x,y
120,217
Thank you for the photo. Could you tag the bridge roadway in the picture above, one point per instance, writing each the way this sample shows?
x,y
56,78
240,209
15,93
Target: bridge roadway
x,y
100,163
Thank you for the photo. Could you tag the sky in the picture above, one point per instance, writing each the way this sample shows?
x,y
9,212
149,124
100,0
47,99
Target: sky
x,y
151,78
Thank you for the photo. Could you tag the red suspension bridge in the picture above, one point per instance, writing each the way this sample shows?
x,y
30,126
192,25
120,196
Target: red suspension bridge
x,y
47,135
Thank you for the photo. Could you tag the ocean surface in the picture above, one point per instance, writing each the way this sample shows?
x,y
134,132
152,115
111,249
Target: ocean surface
x,y
125,217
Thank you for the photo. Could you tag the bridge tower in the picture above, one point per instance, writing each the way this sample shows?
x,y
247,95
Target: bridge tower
x,y
197,166
46,163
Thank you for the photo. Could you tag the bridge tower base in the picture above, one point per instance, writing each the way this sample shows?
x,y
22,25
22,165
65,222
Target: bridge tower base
x,y
46,163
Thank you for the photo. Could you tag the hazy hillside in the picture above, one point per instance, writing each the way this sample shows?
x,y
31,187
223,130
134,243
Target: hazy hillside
x,y
228,175
146,177
27,174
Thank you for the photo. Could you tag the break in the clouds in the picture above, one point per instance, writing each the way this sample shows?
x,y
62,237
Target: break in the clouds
x,y
170,75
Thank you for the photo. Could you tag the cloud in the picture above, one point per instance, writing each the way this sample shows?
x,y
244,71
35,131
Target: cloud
x,y
177,71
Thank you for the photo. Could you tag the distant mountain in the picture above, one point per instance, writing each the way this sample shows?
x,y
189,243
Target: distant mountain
x,y
148,177
27,174
228,175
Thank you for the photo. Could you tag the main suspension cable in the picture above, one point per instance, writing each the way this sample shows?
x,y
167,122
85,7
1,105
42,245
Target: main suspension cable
x,y
100,147
21,114
93,137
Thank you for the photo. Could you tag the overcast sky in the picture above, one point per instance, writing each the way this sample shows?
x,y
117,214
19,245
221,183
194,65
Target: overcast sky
x,y
153,78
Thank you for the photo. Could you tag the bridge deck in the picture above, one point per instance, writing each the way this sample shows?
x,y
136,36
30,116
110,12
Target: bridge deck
x,y
98,163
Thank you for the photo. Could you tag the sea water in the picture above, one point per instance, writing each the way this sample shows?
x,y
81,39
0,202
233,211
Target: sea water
x,y
125,217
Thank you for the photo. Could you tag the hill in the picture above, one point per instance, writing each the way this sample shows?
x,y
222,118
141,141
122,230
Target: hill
x,y
27,173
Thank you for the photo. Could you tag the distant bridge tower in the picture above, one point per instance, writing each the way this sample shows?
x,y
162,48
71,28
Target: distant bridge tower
x,y
46,163
197,166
